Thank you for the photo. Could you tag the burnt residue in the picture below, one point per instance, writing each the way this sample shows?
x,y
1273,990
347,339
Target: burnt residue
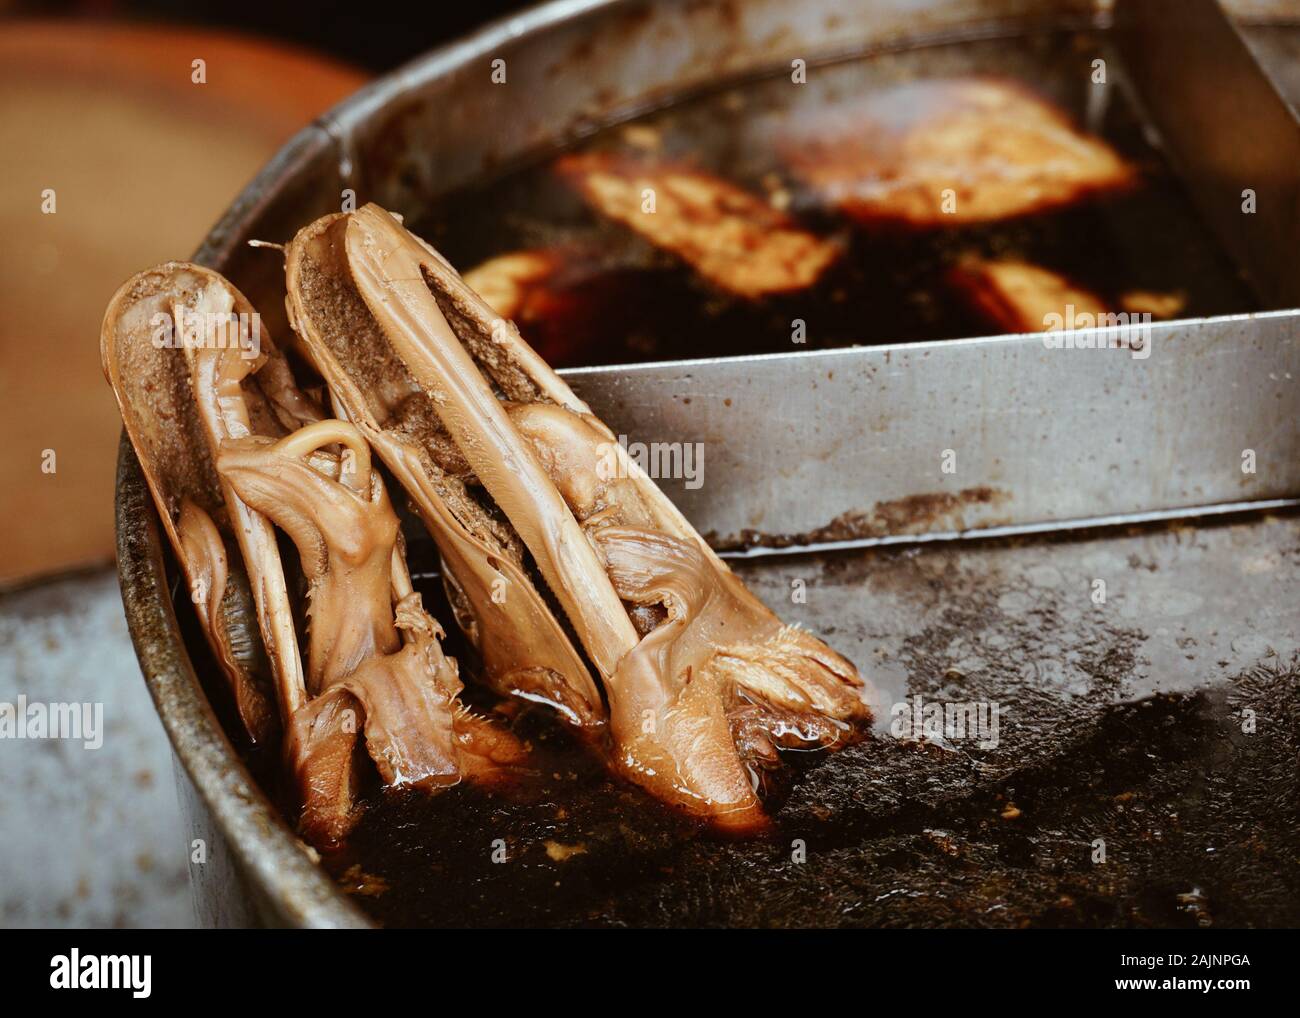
x,y
913,514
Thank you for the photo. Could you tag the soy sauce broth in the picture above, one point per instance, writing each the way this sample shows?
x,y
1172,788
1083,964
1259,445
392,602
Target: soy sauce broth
x,y
889,287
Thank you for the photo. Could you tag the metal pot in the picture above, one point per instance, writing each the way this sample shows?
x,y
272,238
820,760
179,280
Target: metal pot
x,y
572,66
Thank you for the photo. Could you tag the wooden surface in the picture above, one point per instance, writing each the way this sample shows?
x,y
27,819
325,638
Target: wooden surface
x,y
142,161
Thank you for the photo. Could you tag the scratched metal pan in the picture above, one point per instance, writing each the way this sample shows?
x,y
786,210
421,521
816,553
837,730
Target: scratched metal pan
x,y
1133,466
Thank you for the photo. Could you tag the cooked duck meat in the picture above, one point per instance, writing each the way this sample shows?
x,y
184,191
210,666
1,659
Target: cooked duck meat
x,y
525,651
732,238
374,657
717,682
511,283
945,152
1018,297
190,365
345,530
251,448
545,527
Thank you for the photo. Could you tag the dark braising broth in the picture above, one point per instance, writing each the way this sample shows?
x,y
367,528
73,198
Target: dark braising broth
x,y
890,287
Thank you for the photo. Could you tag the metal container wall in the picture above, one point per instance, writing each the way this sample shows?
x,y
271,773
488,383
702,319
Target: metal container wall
x,y
410,136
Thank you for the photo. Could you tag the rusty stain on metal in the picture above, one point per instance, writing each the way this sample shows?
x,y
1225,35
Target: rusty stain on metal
x,y
913,514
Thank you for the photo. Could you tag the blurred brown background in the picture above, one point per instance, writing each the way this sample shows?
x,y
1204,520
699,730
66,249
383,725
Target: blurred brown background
x,y
98,106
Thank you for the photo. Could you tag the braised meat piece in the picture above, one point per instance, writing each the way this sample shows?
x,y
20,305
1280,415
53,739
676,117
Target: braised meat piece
x,y
733,239
703,682
947,152
1016,296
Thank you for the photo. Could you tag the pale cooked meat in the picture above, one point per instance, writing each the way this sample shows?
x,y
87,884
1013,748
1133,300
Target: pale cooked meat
x,y
569,299
553,288
1019,297
345,531
524,650
710,694
948,152
184,374
718,682
239,395
229,443
732,238
375,664
516,479
510,282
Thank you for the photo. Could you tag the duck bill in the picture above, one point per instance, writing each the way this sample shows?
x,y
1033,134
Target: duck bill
x,y
389,268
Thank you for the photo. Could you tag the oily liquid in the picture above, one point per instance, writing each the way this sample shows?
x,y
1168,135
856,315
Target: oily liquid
x,y
888,831
633,303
